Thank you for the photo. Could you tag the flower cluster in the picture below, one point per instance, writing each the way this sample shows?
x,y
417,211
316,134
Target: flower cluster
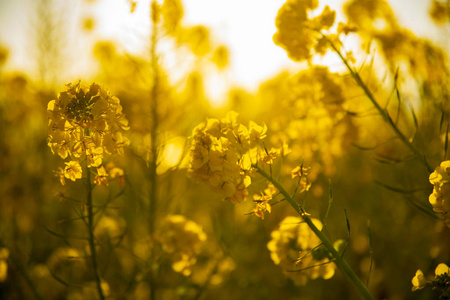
x,y
262,201
440,198
182,239
222,154
297,33
440,282
85,122
296,249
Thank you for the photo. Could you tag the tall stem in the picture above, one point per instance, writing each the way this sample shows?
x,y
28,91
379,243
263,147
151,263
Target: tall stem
x,y
381,111
153,193
154,114
342,264
90,211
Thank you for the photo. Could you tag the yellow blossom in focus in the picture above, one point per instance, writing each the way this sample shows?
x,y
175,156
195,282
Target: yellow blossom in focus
x,y
73,170
85,122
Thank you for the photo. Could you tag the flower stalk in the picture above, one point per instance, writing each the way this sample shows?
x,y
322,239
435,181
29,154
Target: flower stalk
x,y
338,259
90,211
383,112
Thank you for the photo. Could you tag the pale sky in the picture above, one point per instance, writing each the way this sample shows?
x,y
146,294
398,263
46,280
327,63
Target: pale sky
x,y
245,26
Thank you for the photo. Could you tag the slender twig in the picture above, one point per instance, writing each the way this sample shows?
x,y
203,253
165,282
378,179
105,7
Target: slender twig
x,y
342,264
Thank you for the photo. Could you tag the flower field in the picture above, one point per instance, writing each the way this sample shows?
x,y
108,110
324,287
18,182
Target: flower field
x,y
327,181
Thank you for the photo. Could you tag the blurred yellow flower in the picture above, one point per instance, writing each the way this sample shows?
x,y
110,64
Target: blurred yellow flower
x,y
296,32
4,254
222,153
88,24
440,198
182,239
293,246
101,177
442,269
418,281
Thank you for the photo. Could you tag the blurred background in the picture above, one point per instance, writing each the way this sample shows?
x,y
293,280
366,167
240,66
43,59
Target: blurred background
x,y
211,57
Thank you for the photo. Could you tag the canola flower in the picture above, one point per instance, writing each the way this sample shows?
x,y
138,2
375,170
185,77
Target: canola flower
x,y
223,152
440,282
440,198
297,33
296,249
182,239
85,123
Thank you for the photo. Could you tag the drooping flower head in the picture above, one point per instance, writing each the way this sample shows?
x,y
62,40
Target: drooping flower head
x,y
294,247
85,122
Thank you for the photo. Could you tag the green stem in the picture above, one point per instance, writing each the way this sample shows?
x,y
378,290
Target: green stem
x,y
90,210
342,264
381,111
153,193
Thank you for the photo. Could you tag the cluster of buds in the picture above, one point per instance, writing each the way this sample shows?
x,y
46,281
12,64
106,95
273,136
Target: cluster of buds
x,y
85,122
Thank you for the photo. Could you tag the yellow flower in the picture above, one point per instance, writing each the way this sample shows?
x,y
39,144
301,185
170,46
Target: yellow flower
x,y
73,170
418,281
296,32
100,178
182,239
262,204
85,122
293,247
442,269
116,173
220,155
440,198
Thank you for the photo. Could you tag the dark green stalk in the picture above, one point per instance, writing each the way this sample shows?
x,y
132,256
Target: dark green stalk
x,y
90,210
342,264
